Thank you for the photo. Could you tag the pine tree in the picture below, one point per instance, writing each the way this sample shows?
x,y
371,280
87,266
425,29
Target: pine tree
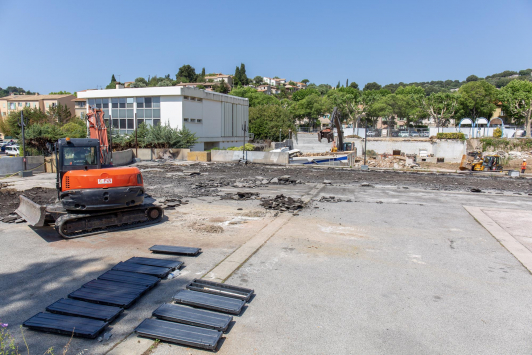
x,y
203,72
113,78
346,82
338,85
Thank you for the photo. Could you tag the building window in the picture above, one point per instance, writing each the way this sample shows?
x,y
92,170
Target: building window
x,y
200,120
28,104
20,104
149,110
185,119
34,105
192,120
12,105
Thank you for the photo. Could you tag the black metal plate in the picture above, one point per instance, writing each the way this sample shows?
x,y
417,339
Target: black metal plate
x,y
179,333
221,289
208,301
72,307
142,269
169,249
120,298
130,278
68,325
113,286
193,316
172,264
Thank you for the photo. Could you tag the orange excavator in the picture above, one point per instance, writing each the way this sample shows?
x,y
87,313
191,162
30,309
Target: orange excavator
x,y
93,196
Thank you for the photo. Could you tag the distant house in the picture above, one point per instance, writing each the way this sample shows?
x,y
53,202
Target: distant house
x,y
273,81
12,103
267,89
80,106
219,77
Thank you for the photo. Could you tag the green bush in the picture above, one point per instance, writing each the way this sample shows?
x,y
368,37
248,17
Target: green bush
x,y
249,147
505,144
455,135
497,132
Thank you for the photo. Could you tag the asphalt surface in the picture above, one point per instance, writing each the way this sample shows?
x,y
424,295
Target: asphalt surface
x,y
398,272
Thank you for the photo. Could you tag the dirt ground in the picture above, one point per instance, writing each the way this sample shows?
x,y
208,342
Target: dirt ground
x,y
164,180
9,198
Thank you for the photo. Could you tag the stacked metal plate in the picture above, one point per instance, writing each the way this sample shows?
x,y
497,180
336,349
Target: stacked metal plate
x,y
209,301
179,333
72,307
169,249
89,309
217,288
192,316
58,323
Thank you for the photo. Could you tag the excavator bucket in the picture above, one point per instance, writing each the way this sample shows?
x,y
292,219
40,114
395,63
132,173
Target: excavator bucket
x,y
33,213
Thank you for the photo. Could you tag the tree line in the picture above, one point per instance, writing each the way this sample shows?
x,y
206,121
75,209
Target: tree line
x,y
474,99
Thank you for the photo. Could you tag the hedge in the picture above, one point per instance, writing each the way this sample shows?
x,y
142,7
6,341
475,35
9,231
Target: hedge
x,y
455,135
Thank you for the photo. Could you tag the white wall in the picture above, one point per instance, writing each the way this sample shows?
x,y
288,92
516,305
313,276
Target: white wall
x,y
171,111
212,112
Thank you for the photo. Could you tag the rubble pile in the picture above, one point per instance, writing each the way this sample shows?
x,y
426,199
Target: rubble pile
x,y
171,203
391,162
282,203
241,196
284,180
333,199
12,218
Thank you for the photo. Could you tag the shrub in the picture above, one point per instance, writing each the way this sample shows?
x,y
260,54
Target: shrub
x,y
497,132
454,135
248,146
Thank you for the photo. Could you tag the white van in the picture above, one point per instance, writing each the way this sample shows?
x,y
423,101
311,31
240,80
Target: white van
x,y
13,150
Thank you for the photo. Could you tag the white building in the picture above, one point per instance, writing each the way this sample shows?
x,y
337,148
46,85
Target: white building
x,y
216,119
274,81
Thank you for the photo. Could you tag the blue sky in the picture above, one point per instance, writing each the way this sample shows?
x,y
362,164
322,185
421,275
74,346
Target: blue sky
x,y
76,45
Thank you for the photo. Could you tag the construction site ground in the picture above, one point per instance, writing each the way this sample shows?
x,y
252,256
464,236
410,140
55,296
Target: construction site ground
x,y
403,268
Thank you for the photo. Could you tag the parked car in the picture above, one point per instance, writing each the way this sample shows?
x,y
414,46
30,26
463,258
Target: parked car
x,y
395,134
414,134
13,150
425,134
370,133
403,134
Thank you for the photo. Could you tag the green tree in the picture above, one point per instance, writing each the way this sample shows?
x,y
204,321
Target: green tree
x,y
477,99
255,98
291,83
140,82
113,78
60,93
353,85
301,94
516,98
31,116
525,72
236,77
265,121
257,80
164,136
112,84
310,108
221,87
440,107
305,81
187,72
59,114
372,86
472,78
243,76
338,85
165,82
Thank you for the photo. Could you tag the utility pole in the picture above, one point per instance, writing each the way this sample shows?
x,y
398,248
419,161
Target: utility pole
x,y
136,142
280,135
244,128
23,138
365,143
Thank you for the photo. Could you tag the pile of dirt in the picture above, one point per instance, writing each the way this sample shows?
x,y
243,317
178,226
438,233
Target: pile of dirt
x,y
282,203
9,198
390,162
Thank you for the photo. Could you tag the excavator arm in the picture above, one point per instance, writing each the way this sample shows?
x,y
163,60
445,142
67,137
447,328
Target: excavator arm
x,y
98,130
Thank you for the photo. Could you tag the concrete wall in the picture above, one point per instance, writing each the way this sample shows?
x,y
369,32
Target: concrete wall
x,y
123,157
199,156
160,153
255,157
12,165
450,150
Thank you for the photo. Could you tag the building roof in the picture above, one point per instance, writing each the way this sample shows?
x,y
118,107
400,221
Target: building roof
x,y
79,100
34,97
217,76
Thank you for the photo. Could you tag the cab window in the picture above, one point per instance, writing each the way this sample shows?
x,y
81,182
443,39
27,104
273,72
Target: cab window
x,y
79,156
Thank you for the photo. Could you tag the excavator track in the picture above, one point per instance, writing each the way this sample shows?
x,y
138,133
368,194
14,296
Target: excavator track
x,y
76,225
